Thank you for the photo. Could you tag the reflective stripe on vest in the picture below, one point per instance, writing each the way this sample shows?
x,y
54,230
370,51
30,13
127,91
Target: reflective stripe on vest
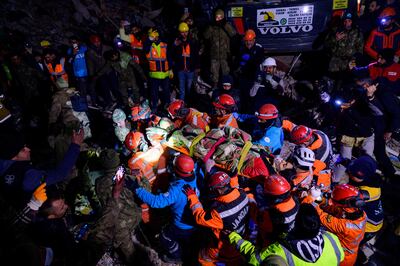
x,y
135,43
324,152
185,55
334,245
157,57
227,123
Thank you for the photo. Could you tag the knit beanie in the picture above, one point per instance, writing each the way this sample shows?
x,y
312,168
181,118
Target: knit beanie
x,y
109,159
11,143
220,12
362,167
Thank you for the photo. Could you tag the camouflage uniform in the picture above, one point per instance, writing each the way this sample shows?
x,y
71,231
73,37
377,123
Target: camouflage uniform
x,y
119,218
343,50
126,69
218,37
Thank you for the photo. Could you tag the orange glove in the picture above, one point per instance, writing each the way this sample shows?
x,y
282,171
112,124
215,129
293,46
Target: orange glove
x,y
145,213
38,198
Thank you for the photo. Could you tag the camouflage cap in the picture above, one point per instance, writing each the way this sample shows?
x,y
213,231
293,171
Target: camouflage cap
x,y
109,159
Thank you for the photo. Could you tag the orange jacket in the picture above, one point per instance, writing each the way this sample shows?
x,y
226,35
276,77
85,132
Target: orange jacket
x,y
195,119
349,232
224,121
58,70
137,47
232,216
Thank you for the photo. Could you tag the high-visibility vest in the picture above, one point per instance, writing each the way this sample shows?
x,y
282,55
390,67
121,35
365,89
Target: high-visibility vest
x,y
185,55
136,44
332,254
158,64
58,70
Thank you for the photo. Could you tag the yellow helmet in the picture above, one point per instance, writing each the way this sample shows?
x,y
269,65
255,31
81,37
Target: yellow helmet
x,y
153,33
183,27
44,43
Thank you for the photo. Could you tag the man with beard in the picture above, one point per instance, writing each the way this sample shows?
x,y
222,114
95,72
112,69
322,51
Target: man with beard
x,y
218,35
387,35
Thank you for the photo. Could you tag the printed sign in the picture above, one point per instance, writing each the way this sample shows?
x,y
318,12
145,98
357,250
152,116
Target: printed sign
x,y
285,19
237,12
340,4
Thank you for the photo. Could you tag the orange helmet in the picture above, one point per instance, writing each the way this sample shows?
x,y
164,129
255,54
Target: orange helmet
x,y
133,139
267,111
387,12
225,101
249,35
276,185
174,107
300,134
345,195
184,165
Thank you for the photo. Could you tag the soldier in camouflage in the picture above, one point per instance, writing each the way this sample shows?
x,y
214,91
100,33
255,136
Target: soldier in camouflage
x,y
344,44
121,215
218,36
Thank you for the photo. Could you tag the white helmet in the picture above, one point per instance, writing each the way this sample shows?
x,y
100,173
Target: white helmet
x,y
303,157
269,62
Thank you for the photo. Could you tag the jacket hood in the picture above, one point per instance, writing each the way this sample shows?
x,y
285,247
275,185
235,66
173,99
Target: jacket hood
x,y
307,249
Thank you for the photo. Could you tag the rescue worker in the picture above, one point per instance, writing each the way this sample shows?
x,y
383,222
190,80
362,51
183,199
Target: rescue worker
x,y
229,211
303,161
159,68
362,174
56,68
319,143
344,217
185,54
224,107
386,35
133,35
77,58
251,55
269,131
182,115
218,37
265,87
307,244
278,209
177,235
227,88
121,214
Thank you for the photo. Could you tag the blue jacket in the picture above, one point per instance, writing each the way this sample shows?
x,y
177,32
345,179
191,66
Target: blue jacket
x,y
79,61
176,199
33,177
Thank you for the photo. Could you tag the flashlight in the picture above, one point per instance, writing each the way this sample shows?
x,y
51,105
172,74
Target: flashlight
x,y
338,102
384,20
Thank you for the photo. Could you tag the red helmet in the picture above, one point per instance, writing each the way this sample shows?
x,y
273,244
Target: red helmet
x,y
133,139
184,165
346,195
267,111
174,107
387,12
94,39
276,185
249,35
219,180
300,134
224,101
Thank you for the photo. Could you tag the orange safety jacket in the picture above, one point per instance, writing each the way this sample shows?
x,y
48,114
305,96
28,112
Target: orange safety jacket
x,y
58,70
137,47
350,232
225,121
158,60
229,212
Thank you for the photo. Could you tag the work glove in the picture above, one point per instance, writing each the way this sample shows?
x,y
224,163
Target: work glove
x,y
255,89
171,74
38,198
273,83
316,193
145,213
188,190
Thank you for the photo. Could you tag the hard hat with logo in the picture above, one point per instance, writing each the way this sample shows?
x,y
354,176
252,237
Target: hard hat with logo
x,y
300,134
249,35
304,157
183,27
174,107
345,195
267,111
183,165
388,12
218,180
276,185
153,33
269,62
133,140
224,101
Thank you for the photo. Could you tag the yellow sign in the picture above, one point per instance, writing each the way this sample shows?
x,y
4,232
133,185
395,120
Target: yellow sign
x,y
340,4
237,12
